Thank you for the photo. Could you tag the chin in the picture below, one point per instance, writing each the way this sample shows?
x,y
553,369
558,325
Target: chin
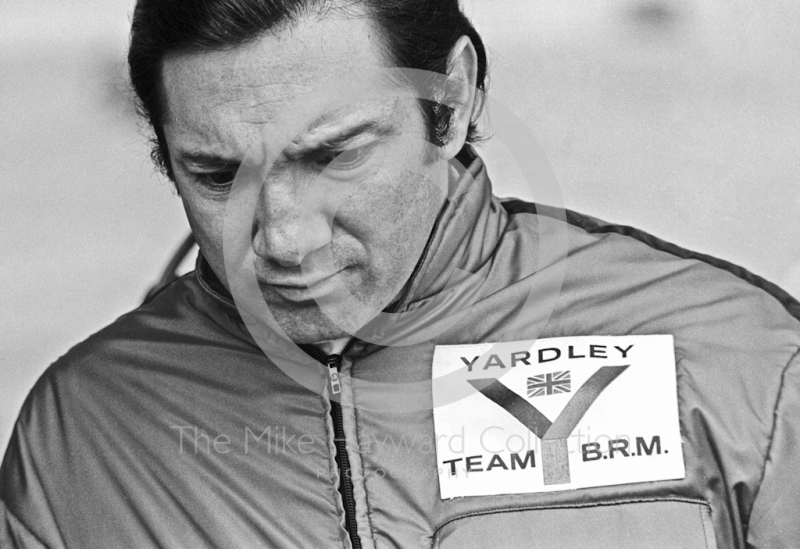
x,y
310,326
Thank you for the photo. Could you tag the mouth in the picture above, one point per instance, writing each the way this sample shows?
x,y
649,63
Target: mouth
x,y
296,290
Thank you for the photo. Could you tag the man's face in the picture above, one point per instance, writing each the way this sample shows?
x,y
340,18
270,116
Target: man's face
x,y
351,199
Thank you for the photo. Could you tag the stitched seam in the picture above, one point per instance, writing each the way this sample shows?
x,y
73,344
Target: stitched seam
x,y
772,431
207,287
623,501
703,524
437,540
368,510
598,227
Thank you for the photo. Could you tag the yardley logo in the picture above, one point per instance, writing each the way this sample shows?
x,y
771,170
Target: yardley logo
x,y
575,427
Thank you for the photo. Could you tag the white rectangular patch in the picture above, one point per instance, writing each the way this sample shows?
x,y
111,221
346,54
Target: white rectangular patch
x,y
556,414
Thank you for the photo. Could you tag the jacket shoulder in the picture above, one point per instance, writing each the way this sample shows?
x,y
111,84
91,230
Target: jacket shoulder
x,y
141,353
619,259
176,319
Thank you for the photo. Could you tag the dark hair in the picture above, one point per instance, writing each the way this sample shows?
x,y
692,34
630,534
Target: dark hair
x,y
417,34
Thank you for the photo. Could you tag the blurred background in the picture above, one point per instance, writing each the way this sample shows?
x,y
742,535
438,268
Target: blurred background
x,y
675,116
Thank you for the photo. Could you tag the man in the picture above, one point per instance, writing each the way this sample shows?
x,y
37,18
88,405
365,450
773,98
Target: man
x,y
625,392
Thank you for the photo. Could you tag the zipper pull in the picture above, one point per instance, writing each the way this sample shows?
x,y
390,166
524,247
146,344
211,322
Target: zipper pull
x,y
333,372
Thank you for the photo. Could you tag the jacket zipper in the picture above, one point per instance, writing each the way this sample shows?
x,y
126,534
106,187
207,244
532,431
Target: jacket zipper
x,y
333,363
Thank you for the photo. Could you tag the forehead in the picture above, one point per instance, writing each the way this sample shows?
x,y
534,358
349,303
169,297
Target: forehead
x,y
216,97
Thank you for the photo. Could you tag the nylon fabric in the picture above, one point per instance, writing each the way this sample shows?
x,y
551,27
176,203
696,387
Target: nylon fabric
x,y
642,525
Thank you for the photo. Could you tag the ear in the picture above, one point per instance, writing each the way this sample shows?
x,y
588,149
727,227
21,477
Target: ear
x,y
462,95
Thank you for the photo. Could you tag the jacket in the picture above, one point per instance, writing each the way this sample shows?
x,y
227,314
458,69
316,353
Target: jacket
x,y
171,428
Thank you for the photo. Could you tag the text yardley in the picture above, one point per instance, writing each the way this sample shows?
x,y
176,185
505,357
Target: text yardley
x,y
547,354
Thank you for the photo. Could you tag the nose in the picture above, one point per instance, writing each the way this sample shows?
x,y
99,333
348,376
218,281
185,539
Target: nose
x,y
290,221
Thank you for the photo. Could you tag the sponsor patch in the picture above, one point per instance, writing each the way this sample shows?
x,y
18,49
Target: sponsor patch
x,y
556,414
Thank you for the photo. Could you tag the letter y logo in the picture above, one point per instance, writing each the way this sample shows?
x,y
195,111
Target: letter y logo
x,y
554,435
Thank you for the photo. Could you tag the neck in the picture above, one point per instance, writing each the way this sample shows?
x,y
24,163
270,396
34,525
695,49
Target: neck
x,y
333,347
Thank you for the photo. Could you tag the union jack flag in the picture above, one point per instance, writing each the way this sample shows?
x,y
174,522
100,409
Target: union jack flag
x,y
549,384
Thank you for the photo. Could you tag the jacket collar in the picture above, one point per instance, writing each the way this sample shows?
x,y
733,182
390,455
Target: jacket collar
x,y
465,235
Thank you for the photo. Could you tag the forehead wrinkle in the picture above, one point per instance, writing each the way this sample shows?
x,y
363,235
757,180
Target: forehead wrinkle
x,y
223,99
227,88
380,122
213,121
238,102
246,71
357,113
213,139
218,133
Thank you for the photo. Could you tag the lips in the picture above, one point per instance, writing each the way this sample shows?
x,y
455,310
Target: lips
x,y
298,283
297,290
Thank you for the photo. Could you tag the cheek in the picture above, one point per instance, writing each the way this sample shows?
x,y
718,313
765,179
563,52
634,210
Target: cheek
x,y
406,193
207,223
393,220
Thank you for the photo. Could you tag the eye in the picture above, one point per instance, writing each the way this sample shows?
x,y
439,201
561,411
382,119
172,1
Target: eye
x,y
221,178
218,181
342,161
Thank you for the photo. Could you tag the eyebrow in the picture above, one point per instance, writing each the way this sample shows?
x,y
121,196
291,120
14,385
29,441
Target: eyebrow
x,y
302,147
373,127
207,160
333,143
